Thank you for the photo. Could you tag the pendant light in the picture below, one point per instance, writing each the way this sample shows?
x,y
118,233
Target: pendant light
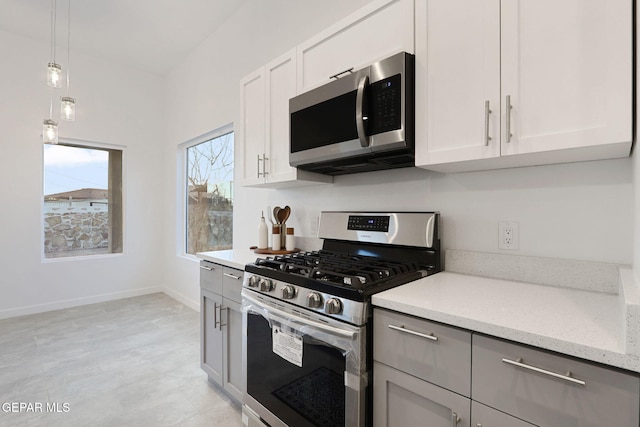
x,y
50,127
54,71
68,104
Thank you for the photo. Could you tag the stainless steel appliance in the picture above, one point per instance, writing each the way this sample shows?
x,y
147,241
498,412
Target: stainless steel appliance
x,y
360,122
307,333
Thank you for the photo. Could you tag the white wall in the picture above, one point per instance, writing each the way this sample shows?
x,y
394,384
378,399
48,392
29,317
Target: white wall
x,y
115,105
203,94
576,211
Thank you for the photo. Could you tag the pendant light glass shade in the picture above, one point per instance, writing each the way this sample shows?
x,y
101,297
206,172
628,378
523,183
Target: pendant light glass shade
x,y
50,131
67,108
54,75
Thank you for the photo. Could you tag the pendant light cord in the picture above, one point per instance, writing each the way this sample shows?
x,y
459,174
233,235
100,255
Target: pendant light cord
x,y
53,31
68,45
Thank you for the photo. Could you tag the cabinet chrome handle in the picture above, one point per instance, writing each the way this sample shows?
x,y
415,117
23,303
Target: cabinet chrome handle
x,y
567,377
478,425
221,325
215,315
508,119
455,419
264,165
335,76
361,115
259,160
487,111
207,268
401,328
233,276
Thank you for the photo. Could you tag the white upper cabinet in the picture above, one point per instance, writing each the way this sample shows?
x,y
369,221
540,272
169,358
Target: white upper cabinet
x,y
457,80
250,138
264,121
522,82
379,29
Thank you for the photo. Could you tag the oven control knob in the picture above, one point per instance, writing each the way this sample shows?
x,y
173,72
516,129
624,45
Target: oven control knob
x,y
253,281
266,285
314,300
288,292
333,306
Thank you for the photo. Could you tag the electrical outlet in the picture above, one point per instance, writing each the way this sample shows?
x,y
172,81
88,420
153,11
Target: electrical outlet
x,y
508,235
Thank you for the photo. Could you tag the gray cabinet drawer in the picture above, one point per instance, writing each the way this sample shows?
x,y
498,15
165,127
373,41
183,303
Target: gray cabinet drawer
x,y
211,276
484,416
232,283
444,359
608,397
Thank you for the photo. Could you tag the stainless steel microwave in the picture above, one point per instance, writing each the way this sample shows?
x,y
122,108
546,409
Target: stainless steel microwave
x,y
361,122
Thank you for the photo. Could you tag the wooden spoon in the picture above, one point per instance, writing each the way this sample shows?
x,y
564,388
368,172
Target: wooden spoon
x,y
276,211
283,214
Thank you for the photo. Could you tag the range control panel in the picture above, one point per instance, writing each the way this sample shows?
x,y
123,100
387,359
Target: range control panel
x,y
368,223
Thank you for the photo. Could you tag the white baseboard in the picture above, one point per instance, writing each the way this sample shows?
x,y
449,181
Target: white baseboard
x,y
195,305
74,302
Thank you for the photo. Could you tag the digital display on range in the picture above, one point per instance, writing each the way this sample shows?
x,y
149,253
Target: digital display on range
x,y
368,223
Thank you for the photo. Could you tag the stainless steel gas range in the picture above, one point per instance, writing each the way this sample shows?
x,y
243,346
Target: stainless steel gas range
x,y
306,317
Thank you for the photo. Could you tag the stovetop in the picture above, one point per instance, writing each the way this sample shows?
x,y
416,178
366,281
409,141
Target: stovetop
x,y
341,274
362,254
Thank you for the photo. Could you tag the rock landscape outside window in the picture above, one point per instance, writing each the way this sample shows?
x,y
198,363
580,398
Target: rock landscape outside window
x,y
82,201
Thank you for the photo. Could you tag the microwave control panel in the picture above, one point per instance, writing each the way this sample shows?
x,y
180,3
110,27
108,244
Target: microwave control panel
x,y
385,105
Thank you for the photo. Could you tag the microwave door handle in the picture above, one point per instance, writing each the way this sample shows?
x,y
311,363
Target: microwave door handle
x,y
360,117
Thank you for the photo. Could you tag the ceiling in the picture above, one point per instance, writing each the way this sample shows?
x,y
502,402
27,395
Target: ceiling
x,y
150,35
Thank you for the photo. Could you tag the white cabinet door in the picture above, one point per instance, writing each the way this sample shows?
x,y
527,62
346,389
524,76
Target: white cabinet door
x,y
563,82
250,147
566,66
263,143
379,29
457,80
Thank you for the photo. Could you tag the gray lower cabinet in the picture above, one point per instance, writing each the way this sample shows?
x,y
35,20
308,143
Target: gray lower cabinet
x,y
221,326
421,372
548,389
431,374
400,399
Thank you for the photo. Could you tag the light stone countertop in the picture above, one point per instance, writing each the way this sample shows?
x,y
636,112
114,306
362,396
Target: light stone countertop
x,y
580,323
234,258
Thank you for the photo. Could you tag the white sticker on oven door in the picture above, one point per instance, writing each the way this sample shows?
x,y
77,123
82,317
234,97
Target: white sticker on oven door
x,y
287,346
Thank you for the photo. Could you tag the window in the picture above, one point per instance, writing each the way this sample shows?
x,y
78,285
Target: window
x,y
82,200
209,192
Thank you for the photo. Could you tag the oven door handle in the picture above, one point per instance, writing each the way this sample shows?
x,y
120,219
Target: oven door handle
x,y
308,322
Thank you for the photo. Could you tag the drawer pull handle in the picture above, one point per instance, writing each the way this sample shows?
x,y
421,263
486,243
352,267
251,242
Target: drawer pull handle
x,y
207,268
233,276
567,377
455,419
401,328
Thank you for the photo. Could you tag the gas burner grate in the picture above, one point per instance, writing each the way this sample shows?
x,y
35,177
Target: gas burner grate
x,y
356,271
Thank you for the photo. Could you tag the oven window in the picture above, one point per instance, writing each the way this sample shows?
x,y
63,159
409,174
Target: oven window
x,y
311,395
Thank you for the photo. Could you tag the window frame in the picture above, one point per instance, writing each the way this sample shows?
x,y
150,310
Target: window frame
x,y
90,145
181,180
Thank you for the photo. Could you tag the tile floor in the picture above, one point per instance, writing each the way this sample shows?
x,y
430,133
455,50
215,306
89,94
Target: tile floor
x,y
130,362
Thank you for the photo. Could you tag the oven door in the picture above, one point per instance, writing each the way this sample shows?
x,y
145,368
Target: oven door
x,y
302,370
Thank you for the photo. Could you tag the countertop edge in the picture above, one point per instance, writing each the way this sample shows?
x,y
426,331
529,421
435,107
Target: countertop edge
x,y
233,258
